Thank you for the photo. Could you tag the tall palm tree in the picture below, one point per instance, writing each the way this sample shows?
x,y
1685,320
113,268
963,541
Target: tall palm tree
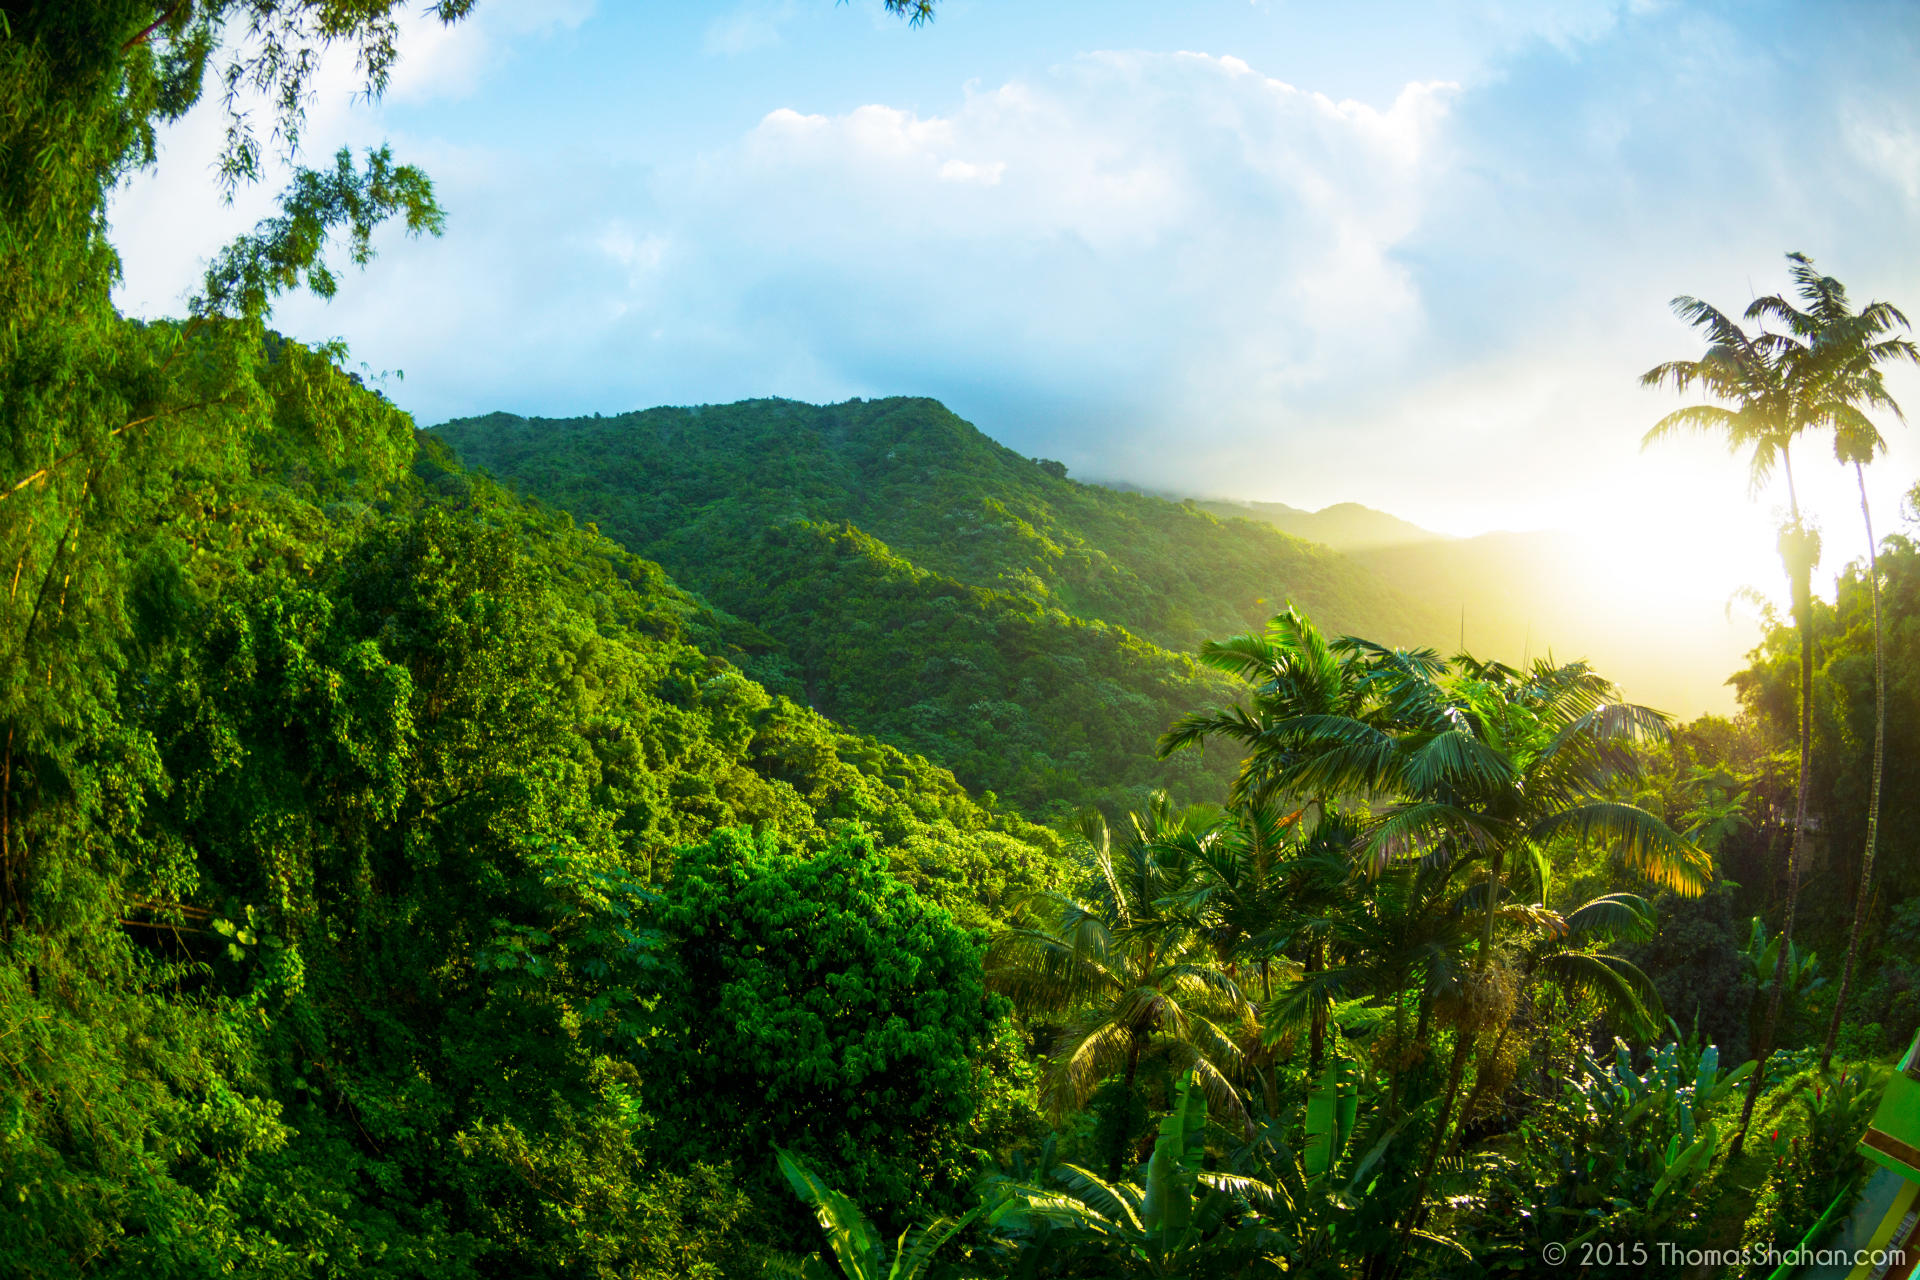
x,y
1132,978
1839,352
1290,670
1272,885
1759,407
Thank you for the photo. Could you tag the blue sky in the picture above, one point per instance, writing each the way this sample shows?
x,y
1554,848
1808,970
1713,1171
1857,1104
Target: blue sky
x,y
1412,255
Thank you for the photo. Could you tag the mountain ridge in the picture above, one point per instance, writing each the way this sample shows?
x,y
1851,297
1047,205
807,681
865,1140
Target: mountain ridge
x,y
929,585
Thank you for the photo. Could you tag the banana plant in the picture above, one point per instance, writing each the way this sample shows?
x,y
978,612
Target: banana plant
x,y
1176,1218
855,1244
1349,1180
1800,973
1762,955
1618,1154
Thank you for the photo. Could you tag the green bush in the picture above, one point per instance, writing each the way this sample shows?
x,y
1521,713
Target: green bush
x,y
817,1003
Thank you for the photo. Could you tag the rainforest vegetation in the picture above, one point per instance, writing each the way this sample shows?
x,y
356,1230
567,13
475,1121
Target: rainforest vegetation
x,y
906,575
772,839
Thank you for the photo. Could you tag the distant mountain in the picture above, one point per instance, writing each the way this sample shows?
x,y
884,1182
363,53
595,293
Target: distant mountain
x,y
902,572
1345,526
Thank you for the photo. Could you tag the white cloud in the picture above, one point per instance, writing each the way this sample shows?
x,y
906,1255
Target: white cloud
x,y
440,61
1240,228
1890,146
751,27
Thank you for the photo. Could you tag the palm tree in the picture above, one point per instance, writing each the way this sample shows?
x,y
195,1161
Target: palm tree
x,y
1132,978
1563,954
1269,882
1290,670
1840,352
1480,767
1761,395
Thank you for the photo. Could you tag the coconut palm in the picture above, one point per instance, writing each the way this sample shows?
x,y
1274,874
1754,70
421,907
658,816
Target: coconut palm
x,y
1840,353
1133,977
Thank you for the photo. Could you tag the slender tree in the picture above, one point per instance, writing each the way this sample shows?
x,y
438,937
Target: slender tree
x,y
1835,355
1757,410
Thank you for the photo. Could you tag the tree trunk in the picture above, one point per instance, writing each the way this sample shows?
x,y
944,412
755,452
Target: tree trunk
x,y
1802,569
1864,894
1317,1035
1417,1210
1126,1111
1399,1046
1485,1074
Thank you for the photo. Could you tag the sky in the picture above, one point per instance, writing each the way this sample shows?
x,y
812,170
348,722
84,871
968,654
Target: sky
x,y
1409,255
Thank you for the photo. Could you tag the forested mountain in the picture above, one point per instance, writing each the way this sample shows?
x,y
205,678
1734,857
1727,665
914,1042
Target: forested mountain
x,y
925,584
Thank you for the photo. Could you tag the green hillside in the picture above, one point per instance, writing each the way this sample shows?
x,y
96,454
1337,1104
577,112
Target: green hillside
x,y
925,584
336,805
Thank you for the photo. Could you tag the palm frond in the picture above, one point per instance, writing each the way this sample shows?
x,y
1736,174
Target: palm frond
x,y
1096,1193
1623,990
1456,761
1088,1050
1647,845
1234,723
1696,419
1407,830
1052,970
1616,917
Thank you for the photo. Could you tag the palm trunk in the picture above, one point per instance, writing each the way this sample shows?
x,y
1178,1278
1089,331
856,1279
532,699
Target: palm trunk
x,y
1126,1110
1400,1047
1486,1073
1417,1210
1317,1035
1493,892
1863,896
1802,569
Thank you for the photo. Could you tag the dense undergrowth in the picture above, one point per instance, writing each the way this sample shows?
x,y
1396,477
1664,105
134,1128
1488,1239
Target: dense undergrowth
x,y
918,581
